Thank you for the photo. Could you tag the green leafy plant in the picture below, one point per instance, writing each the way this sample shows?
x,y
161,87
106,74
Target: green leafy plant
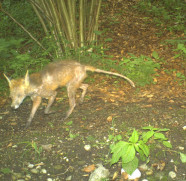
x,y
183,157
181,49
32,146
12,60
140,69
126,151
169,13
5,171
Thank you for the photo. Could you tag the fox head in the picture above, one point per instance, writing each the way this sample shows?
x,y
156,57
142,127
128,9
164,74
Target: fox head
x,y
18,89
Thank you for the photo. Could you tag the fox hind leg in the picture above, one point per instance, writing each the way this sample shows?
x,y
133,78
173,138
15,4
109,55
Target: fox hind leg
x,y
84,88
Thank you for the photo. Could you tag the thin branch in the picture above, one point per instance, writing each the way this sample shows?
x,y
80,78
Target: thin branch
x,y
25,30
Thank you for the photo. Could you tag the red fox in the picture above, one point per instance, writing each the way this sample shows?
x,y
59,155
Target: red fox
x,y
44,84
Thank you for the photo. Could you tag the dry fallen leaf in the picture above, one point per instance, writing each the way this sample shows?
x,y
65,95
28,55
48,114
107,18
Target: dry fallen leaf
x,y
39,164
146,106
155,80
5,112
13,124
89,168
9,145
115,175
159,166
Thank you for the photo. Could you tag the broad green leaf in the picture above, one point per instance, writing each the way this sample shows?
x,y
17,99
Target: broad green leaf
x,y
167,144
110,137
108,39
118,137
155,55
5,170
136,147
147,135
150,127
118,150
142,155
183,157
131,166
164,129
69,123
98,32
144,148
159,136
134,137
129,154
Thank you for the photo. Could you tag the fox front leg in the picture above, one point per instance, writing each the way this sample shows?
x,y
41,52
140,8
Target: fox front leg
x,y
71,89
36,103
50,102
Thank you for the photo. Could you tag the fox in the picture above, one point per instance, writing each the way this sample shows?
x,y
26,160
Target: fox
x,y
44,84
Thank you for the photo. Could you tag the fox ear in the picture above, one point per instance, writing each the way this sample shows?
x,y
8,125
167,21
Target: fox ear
x,y
27,80
9,81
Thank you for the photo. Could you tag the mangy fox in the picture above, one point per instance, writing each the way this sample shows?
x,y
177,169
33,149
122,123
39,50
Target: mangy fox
x,y
44,84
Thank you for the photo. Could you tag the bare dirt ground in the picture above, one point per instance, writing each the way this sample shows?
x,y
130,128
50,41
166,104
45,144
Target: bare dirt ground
x,y
108,109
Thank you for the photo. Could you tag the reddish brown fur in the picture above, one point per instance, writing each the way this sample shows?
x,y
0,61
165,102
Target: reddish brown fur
x,y
44,84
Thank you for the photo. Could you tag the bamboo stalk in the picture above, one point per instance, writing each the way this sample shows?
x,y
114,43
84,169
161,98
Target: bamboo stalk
x,y
81,30
59,18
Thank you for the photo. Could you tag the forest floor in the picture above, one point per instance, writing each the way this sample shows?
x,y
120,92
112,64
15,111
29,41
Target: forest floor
x,y
108,109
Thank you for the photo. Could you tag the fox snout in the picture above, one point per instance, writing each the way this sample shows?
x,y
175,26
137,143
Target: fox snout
x,y
16,102
15,106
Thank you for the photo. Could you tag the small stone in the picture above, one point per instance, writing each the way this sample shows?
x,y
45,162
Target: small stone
x,y
135,175
172,174
38,167
34,170
49,179
149,172
43,171
69,178
99,173
28,177
47,147
143,167
16,176
30,165
87,147
181,148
